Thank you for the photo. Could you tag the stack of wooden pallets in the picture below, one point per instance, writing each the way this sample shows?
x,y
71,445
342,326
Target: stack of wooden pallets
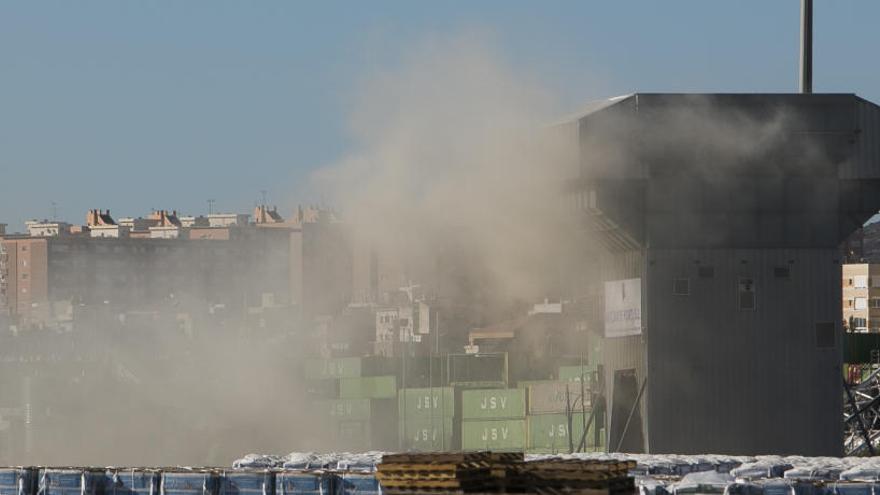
x,y
484,472
570,476
442,472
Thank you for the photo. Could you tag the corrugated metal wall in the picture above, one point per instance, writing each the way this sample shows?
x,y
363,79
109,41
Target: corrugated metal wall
x,y
624,353
739,381
866,143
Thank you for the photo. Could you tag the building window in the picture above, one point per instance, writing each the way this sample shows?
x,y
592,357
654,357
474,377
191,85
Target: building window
x,y
781,272
706,271
875,302
860,324
681,287
24,276
860,281
861,303
746,294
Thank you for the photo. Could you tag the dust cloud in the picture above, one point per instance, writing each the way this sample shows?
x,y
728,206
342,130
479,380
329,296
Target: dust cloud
x,y
454,161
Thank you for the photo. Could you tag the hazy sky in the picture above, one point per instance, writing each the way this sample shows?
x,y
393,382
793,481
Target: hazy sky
x,y
132,105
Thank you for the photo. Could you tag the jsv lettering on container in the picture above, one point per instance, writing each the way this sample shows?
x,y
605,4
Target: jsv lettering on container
x,y
558,431
428,402
333,369
493,403
426,435
495,434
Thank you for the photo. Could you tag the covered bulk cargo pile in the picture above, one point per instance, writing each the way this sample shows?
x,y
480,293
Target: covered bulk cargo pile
x,y
247,482
18,481
355,483
78,481
426,419
303,483
493,419
131,481
189,482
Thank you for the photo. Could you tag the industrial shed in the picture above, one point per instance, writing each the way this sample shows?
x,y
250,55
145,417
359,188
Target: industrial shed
x,y
727,210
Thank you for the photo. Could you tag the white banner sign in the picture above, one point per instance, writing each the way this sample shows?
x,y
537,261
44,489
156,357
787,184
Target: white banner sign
x,y
623,307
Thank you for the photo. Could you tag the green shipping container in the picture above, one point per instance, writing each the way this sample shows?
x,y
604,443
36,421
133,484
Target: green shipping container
x,y
558,397
368,387
427,436
317,369
576,373
354,436
344,409
495,435
500,403
529,383
426,403
548,433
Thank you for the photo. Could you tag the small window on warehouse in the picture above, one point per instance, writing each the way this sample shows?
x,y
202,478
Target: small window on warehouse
x,y
782,272
681,287
746,299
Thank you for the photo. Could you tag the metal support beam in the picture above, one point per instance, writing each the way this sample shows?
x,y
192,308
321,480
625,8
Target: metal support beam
x,y
858,415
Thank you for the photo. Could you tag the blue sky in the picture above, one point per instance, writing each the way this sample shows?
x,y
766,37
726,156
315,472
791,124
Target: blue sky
x,y
133,105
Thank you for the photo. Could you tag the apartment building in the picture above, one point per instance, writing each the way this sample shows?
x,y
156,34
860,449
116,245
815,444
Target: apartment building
x,y
861,297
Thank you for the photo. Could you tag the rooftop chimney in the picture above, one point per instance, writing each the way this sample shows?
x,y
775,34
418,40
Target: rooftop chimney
x,y
806,85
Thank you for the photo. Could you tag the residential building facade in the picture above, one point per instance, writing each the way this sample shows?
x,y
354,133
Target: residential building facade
x,y
861,297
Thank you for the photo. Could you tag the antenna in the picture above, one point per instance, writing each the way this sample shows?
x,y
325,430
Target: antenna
x,y
54,211
211,206
263,193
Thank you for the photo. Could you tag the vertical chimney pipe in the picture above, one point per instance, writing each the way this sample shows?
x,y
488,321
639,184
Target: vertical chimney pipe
x,y
806,65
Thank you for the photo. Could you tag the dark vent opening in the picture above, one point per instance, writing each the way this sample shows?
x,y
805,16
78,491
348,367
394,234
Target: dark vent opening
x,y
825,335
706,271
681,287
746,294
782,272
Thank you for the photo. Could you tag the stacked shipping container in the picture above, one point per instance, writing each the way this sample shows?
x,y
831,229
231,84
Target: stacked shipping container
x,y
364,410
426,419
493,419
359,406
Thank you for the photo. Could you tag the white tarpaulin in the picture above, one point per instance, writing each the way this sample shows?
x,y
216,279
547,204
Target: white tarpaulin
x,y
623,307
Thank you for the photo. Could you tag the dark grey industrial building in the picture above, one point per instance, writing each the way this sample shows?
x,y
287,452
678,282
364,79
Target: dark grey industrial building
x,y
730,209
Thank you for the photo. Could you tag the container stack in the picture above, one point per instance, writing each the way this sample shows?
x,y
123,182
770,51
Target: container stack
x,y
355,401
577,373
493,419
427,419
558,415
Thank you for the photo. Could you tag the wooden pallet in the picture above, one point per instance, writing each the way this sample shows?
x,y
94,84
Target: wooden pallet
x,y
484,472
